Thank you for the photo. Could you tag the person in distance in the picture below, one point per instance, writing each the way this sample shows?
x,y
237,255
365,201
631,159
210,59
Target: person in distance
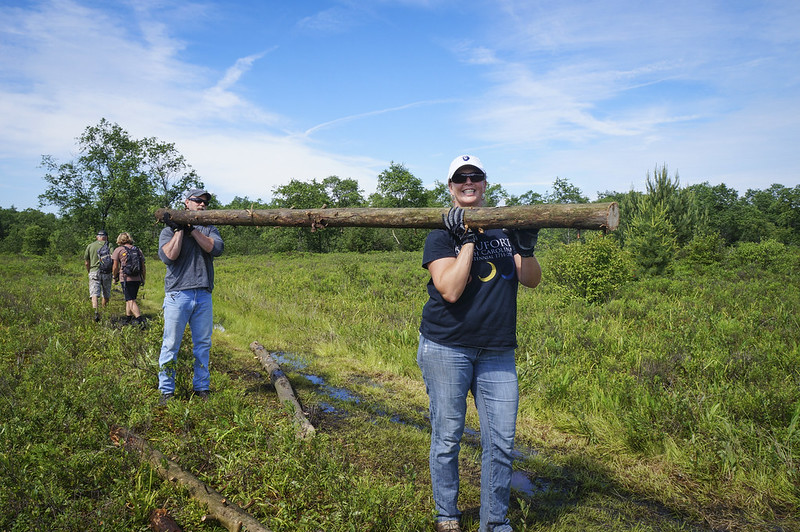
x,y
98,263
130,282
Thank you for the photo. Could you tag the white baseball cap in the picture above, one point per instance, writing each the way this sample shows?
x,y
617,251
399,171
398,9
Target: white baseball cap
x,y
464,160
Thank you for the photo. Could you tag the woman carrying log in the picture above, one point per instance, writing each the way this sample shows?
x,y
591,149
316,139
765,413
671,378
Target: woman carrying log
x,y
467,343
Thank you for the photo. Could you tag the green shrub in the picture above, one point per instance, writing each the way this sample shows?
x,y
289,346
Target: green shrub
x,y
704,249
703,254
593,270
769,255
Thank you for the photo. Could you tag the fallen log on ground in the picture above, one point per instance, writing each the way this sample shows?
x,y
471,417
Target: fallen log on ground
x,y
284,389
602,216
230,515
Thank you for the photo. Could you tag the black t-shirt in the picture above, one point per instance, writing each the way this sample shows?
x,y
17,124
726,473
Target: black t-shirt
x,y
485,315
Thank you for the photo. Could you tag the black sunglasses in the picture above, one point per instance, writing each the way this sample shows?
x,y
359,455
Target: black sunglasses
x,y
476,177
199,200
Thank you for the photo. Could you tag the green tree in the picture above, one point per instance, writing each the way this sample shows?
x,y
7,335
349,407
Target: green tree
x,y
757,215
304,195
113,182
106,178
655,224
30,231
495,195
719,204
36,240
247,240
650,237
439,196
399,188
781,207
343,193
703,252
528,198
301,195
563,192
680,205
169,172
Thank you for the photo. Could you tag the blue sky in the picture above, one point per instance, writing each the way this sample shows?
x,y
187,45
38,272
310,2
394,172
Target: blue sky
x,y
256,93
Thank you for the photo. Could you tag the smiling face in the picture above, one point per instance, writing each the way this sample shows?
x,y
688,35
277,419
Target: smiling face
x,y
468,193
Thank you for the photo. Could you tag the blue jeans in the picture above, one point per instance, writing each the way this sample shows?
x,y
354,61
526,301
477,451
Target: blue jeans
x,y
449,374
182,307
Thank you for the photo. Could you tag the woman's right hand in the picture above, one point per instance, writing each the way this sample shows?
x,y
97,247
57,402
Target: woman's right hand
x,y
454,223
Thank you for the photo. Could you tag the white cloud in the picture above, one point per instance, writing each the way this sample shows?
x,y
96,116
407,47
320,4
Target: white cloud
x,y
336,19
74,65
252,165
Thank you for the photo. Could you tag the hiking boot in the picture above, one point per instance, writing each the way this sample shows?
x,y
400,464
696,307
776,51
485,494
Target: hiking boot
x,y
447,526
96,316
164,399
141,321
202,394
126,320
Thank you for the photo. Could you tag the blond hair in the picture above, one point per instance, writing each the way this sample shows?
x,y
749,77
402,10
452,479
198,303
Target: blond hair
x,y
124,238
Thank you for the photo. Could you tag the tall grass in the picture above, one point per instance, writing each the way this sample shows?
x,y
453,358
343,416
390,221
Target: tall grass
x,y
65,381
362,308
682,392
699,371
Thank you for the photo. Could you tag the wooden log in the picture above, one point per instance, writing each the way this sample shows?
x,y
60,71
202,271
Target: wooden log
x,y
226,512
284,389
602,216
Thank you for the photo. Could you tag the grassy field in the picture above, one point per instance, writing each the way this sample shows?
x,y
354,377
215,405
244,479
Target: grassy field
x,y
674,406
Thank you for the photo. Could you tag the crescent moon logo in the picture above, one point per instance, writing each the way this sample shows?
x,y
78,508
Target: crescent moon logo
x,y
508,276
491,273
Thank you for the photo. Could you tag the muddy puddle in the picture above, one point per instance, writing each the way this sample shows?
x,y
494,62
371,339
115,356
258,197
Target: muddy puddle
x,y
520,480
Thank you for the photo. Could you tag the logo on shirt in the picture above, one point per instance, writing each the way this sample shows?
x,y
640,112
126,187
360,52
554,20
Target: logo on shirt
x,y
493,257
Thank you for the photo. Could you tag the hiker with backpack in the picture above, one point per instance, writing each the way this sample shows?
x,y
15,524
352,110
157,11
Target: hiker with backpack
x,y
129,270
98,262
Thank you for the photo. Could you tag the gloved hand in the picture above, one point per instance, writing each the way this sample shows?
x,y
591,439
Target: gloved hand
x,y
454,223
167,219
523,240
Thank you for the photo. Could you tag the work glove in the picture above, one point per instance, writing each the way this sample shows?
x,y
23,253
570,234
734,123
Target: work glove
x,y
454,223
167,219
523,240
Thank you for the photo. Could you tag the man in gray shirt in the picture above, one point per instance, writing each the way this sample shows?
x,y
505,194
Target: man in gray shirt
x,y
188,251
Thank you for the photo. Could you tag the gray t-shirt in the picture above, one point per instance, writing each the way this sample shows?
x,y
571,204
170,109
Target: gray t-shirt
x,y
194,268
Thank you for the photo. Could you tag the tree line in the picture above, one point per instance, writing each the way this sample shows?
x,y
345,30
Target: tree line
x,y
116,182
